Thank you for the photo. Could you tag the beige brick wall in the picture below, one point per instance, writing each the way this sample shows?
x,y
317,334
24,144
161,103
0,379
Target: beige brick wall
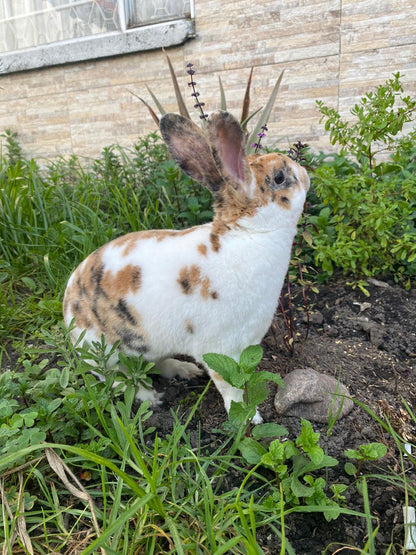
x,y
330,49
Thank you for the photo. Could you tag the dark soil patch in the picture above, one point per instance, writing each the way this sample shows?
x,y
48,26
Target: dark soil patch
x,y
369,343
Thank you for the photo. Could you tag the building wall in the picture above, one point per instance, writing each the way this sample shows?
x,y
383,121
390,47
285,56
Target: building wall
x,y
334,50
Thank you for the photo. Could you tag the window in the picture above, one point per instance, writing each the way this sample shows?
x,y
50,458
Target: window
x,y
36,33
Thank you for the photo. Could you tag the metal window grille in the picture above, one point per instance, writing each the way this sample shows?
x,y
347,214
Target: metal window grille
x,y
32,23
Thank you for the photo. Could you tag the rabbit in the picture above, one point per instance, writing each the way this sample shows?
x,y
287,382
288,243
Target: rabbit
x,y
209,288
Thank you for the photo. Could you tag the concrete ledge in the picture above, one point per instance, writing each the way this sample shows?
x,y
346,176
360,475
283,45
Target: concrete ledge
x,y
149,37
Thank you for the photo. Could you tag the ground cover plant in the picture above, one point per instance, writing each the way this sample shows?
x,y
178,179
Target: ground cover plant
x,y
83,470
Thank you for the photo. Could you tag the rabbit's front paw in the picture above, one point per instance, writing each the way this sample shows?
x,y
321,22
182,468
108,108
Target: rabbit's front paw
x,y
151,395
171,367
257,419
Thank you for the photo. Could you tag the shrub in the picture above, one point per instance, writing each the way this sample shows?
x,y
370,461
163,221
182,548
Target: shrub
x,y
366,208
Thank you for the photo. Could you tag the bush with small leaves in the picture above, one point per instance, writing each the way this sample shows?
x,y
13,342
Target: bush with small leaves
x,y
365,212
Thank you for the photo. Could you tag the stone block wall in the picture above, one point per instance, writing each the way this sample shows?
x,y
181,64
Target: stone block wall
x,y
334,50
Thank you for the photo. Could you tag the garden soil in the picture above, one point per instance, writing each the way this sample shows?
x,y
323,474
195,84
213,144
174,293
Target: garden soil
x,y
369,344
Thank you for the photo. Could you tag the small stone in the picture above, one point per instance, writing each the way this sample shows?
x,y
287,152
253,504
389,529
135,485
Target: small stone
x,y
311,395
314,318
375,331
364,323
331,331
378,283
377,336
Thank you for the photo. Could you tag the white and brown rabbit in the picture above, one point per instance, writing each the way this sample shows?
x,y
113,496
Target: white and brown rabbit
x,y
210,288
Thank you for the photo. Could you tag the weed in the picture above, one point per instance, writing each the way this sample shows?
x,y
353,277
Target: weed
x,y
364,453
243,375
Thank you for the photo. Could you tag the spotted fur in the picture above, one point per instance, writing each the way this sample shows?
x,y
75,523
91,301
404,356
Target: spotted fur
x,y
209,288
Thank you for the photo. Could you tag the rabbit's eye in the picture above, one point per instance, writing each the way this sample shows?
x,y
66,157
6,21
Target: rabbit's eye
x,y
279,178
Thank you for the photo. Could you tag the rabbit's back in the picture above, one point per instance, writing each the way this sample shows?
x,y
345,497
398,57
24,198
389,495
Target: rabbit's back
x,y
164,293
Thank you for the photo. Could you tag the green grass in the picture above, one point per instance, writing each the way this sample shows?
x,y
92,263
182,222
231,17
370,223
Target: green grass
x,y
80,470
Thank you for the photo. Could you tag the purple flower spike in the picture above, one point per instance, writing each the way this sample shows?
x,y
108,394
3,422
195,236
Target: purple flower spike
x,y
195,93
258,146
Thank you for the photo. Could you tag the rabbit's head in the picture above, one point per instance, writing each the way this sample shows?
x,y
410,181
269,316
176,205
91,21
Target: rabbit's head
x,y
259,192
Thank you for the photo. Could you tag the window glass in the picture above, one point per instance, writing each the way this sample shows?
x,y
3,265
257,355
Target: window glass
x,y
40,33
139,12
28,23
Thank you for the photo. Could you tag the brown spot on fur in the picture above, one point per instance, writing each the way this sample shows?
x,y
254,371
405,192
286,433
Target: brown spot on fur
x,y
90,273
202,249
160,234
230,206
123,310
206,291
205,287
189,278
80,311
215,242
127,243
217,377
283,199
189,328
118,284
96,300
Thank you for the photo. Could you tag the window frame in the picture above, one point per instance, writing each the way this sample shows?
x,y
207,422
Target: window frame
x,y
172,32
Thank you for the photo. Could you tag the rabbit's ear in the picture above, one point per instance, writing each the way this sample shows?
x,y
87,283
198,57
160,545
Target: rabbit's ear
x,y
228,145
190,149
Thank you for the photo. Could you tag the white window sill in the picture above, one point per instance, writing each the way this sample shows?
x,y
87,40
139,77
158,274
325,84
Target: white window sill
x,y
149,37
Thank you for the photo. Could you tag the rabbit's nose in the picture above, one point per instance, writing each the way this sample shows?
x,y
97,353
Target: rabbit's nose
x,y
304,178
301,176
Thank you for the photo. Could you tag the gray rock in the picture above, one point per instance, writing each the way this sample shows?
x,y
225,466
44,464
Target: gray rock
x,y
315,317
375,331
311,395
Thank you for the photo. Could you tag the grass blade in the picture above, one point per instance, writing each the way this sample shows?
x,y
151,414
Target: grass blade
x,y
121,520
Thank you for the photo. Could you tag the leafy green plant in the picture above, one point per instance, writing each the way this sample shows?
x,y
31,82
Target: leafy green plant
x,y
13,150
45,401
379,118
243,375
364,453
293,463
364,215
149,496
